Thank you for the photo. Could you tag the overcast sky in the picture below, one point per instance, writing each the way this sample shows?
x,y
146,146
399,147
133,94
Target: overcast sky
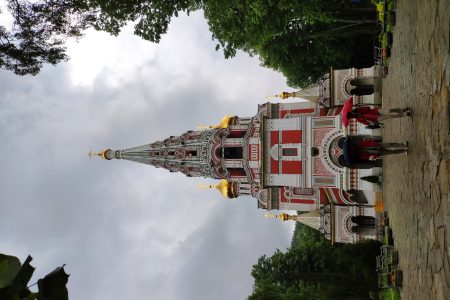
x,y
126,230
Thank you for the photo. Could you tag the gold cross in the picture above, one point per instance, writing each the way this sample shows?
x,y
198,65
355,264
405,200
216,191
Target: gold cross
x,y
91,153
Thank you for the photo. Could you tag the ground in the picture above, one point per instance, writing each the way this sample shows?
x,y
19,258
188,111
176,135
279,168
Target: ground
x,y
416,186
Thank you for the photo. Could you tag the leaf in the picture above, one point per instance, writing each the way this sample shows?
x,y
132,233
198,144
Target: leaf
x,y
18,289
53,285
9,267
22,278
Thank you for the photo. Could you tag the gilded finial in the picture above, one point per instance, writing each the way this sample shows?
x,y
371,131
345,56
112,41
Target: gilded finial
x,y
282,216
100,154
203,186
92,153
282,95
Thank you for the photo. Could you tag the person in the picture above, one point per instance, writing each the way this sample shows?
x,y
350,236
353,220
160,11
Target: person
x,y
393,148
371,116
358,152
373,179
376,125
382,149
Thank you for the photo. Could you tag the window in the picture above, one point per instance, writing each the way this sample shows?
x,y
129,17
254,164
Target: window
x,y
232,153
237,133
341,162
314,151
340,142
301,191
289,151
191,153
236,172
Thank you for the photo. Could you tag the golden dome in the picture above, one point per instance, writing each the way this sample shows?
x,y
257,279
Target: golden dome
x,y
225,122
283,216
285,95
103,153
226,188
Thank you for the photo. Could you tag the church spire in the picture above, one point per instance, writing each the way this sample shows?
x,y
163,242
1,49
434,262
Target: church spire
x,y
194,153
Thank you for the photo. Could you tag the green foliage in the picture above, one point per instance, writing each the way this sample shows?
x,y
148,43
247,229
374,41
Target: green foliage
x,y
314,269
53,285
39,32
389,294
302,39
152,17
266,291
306,237
14,279
9,267
17,287
41,28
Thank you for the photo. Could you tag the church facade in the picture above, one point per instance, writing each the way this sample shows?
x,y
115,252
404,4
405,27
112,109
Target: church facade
x,y
288,156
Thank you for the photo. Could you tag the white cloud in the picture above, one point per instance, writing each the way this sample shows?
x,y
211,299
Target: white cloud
x,y
125,230
114,58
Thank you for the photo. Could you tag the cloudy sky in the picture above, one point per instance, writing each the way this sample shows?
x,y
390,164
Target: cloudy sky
x,y
125,230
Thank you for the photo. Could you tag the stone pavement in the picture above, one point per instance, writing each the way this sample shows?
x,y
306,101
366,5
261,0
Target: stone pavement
x,y
416,186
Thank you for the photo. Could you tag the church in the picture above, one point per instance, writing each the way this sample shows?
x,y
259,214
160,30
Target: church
x,y
288,156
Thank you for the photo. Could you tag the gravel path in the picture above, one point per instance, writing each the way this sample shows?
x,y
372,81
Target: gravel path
x,y
416,186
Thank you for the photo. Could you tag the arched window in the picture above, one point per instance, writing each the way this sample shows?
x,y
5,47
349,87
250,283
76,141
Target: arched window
x,y
364,221
314,151
336,152
362,87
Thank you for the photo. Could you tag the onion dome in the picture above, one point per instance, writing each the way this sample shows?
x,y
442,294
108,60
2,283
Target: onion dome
x,y
225,122
226,188
285,95
283,217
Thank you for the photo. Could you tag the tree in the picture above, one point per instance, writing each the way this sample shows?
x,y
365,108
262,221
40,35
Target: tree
x,y
41,28
314,269
38,34
266,291
302,39
14,278
152,17
307,237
